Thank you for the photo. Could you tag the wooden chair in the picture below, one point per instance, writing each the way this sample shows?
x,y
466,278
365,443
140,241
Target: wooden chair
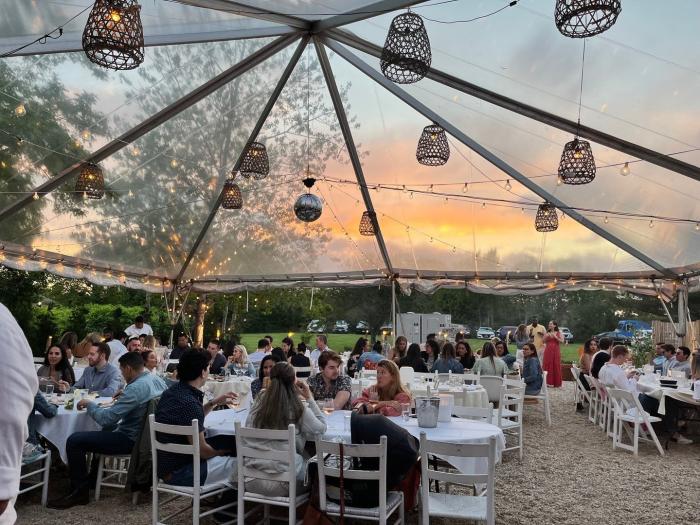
x,y
388,502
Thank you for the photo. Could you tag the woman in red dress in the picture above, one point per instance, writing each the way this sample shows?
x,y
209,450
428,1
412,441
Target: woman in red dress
x,y
551,360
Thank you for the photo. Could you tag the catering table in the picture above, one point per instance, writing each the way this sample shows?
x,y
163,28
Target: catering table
x,y
456,431
648,384
465,395
57,429
238,384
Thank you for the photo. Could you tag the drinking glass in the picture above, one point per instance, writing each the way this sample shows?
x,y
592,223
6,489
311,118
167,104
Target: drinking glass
x,y
373,396
233,403
406,411
328,406
49,390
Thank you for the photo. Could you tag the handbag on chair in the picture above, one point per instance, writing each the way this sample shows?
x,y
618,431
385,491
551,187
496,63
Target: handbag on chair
x,y
313,514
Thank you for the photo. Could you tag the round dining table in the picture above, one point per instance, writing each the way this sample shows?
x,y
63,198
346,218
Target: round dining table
x,y
237,384
464,395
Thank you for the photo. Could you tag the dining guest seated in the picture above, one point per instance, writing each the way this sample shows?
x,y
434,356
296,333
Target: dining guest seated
x,y
413,359
657,360
398,352
682,361
218,360
288,347
182,345
262,351
299,360
369,359
101,376
133,344
590,347
354,360
264,373
431,352
56,370
179,405
275,409
601,357
33,448
121,424
503,354
465,354
329,384
447,362
150,360
612,373
279,353
489,364
532,370
116,347
387,395
238,363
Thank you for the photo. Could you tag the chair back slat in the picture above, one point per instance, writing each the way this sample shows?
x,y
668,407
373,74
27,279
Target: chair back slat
x,y
465,450
477,413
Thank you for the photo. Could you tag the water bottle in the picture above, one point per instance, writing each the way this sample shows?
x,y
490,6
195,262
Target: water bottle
x,y
227,373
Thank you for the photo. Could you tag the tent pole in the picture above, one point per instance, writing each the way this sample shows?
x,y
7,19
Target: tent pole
x,y
154,121
362,13
550,119
491,157
253,134
243,9
352,151
393,310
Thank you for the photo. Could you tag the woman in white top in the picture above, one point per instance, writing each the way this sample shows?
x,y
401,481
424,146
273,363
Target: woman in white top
x,y
238,363
489,364
275,408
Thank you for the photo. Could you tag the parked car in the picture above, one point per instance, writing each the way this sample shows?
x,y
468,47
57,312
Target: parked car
x,y
484,332
362,327
316,326
341,327
617,337
568,336
507,331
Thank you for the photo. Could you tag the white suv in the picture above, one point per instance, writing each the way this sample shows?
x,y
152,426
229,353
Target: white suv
x,y
484,332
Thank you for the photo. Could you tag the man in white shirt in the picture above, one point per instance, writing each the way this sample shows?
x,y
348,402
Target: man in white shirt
x,y
116,348
139,327
612,373
263,349
18,385
321,346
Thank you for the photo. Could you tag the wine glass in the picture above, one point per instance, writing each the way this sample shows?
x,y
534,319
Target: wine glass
x,y
233,403
328,406
406,411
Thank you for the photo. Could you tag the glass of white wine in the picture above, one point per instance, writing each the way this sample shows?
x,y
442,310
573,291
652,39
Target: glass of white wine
x,y
328,406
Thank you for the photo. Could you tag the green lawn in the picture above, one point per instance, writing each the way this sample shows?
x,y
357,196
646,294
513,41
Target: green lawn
x,y
338,342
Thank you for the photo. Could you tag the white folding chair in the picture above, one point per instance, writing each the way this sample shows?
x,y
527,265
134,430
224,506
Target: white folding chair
x,y
423,376
580,393
43,473
594,401
197,492
476,413
407,374
111,472
493,385
628,411
285,454
509,415
544,397
388,502
605,408
443,504
471,379
38,360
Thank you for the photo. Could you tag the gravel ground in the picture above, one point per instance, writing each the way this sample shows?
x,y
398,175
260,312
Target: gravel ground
x,y
569,475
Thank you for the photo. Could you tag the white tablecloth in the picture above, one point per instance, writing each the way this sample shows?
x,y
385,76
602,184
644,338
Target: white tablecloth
x,y
456,431
648,385
464,396
66,422
239,385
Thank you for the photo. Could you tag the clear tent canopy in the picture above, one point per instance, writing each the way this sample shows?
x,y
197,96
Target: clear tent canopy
x,y
303,78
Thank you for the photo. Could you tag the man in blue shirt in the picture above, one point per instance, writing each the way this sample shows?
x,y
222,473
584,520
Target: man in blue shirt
x,y
373,356
121,424
101,376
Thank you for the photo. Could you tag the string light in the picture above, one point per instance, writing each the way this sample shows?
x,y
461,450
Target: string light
x,y
697,227
35,196
651,223
559,181
173,163
625,170
86,135
21,110
508,186
606,220
465,189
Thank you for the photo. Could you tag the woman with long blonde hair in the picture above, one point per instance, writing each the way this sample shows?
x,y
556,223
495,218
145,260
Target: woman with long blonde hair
x,y
238,363
398,352
387,395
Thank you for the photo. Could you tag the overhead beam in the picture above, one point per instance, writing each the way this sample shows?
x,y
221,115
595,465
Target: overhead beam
x,y
251,138
352,150
154,121
491,157
238,8
653,157
362,13
72,42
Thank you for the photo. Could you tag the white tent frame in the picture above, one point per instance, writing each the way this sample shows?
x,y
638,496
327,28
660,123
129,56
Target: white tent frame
x,y
327,33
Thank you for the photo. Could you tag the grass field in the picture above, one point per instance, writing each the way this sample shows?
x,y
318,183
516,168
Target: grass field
x,y
338,342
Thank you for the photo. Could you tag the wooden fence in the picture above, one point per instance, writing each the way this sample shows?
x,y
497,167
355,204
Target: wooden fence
x,y
663,331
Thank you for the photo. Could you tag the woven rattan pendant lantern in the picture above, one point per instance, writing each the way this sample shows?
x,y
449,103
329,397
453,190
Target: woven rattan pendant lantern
x,y
577,165
113,34
255,162
232,197
406,55
308,206
584,18
546,219
367,224
91,182
433,149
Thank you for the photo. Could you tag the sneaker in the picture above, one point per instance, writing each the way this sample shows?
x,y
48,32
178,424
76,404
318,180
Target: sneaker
x,y
682,440
30,453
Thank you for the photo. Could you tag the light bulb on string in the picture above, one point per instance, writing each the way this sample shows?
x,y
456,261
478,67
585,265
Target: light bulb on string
x,y
404,189
606,220
465,189
410,195
651,224
431,189
697,227
173,163
625,170
35,196
21,110
559,181
483,205
85,134
508,185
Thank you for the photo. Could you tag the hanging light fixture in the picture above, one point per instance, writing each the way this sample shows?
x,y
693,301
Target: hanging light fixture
x,y
584,18
255,162
546,219
113,34
367,223
406,55
433,148
308,206
91,182
577,165
625,170
232,197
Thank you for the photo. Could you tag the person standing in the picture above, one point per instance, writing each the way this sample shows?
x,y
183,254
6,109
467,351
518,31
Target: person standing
x,y
551,359
536,333
139,327
18,383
